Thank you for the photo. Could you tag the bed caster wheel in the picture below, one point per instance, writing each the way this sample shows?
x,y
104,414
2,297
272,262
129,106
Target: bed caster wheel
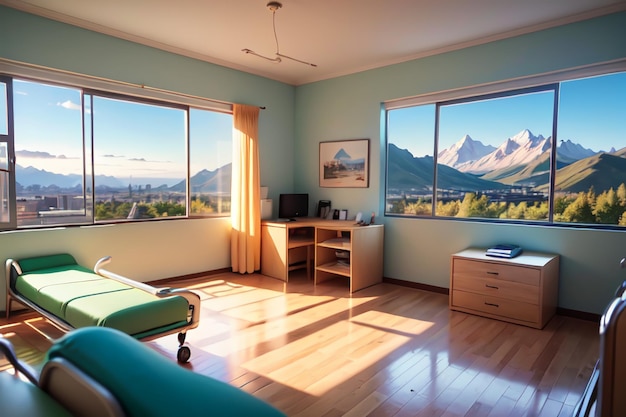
x,y
183,355
181,338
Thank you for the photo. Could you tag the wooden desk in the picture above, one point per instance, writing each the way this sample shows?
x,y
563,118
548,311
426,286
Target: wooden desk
x,y
286,246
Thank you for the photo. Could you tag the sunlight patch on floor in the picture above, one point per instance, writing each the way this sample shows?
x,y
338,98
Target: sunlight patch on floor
x,y
293,313
363,340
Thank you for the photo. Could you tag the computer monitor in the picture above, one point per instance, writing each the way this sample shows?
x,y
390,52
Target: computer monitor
x,y
291,206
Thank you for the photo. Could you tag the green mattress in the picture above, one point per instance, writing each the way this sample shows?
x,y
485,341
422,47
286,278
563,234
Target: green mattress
x,y
81,298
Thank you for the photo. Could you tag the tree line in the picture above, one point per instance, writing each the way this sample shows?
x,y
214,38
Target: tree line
x,y
110,210
608,207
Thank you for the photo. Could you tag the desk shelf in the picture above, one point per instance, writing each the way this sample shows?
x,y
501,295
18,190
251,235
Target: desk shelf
x,y
335,268
339,243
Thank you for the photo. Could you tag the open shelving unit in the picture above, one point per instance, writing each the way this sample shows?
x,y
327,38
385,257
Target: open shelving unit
x,y
350,251
329,244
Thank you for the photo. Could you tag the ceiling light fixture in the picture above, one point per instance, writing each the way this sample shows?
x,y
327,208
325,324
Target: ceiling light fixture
x,y
273,6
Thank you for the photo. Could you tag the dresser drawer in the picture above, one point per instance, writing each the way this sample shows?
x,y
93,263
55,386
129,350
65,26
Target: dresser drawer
x,y
497,288
494,306
480,269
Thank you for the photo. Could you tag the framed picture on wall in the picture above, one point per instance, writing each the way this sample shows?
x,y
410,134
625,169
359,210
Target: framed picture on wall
x,y
345,163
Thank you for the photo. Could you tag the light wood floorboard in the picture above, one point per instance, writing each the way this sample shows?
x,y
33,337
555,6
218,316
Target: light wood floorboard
x,y
384,351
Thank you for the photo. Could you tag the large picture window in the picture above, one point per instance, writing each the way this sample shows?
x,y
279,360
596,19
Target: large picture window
x,y
86,156
548,154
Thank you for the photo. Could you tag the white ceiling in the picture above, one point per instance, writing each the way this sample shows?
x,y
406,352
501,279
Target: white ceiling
x,y
340,36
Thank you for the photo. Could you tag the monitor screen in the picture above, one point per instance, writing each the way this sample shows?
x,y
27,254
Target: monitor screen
x,y
291,206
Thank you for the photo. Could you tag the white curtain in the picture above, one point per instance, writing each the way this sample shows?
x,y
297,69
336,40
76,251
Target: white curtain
x,y
245,208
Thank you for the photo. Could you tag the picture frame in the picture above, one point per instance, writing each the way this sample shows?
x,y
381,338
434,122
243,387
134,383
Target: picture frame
x,y
343,214
344,163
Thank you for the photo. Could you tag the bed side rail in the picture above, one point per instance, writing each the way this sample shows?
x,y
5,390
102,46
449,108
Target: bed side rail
x,y
192,298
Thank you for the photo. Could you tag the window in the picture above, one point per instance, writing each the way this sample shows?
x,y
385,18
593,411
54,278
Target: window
x,y
410,173
140,159
85,156
590,182
492,156
48,154
210,162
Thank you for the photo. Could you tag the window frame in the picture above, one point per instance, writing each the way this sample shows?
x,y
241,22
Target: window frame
x,y
491,90
10,172
99,87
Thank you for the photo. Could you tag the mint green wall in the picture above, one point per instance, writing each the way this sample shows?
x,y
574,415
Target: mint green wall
x,y
419,250
342,108
152,250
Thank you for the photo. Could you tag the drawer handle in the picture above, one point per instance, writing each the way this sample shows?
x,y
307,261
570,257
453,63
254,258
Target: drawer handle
x,y
492,273
491,304
492,286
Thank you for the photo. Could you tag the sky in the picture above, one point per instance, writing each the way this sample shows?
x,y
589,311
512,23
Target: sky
x,y
131,140
592,112
138,141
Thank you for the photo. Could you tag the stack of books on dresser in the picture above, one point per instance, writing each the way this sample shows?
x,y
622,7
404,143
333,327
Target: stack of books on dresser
x,y
504,251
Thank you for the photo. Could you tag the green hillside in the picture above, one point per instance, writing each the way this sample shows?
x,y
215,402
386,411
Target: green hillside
x,y
406,172
602,172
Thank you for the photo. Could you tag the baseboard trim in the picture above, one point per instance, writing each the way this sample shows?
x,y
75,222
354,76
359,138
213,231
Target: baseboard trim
x,y
188,277
583,315
417,285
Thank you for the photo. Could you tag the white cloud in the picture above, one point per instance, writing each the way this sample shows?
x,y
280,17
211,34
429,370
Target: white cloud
x,y
69,105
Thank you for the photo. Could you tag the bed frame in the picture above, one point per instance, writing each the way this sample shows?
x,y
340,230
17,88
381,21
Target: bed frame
x,y
72,296
604,393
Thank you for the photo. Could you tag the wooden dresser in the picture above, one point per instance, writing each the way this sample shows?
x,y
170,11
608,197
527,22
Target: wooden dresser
x,y
522,290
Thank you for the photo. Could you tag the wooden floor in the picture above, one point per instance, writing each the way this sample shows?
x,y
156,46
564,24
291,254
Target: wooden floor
x,y
384,351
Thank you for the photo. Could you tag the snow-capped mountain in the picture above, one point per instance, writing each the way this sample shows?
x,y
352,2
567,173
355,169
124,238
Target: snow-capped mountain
x,y
517,150
465,150
521,160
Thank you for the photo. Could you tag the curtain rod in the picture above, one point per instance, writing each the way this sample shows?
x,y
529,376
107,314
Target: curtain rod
x,y
160,90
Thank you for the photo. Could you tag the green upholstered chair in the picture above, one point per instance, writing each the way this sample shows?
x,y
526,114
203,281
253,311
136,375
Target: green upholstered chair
x,y
23,399
99,371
